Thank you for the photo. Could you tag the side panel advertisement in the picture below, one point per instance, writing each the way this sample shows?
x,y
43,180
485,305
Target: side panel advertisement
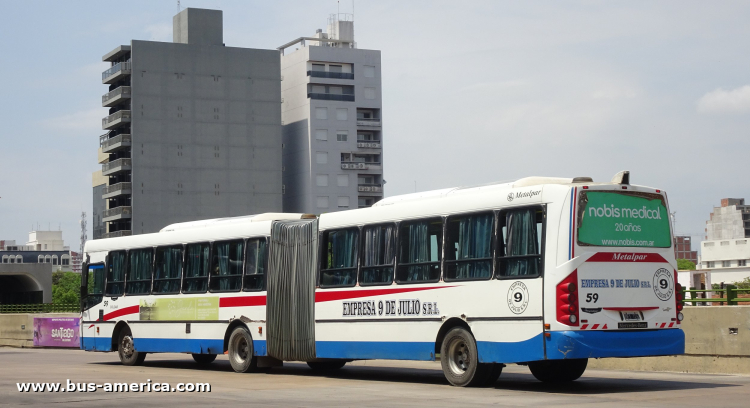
x,y
57,331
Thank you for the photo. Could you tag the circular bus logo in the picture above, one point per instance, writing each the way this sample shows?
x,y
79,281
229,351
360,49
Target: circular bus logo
x,y
518,297
663,284
510,196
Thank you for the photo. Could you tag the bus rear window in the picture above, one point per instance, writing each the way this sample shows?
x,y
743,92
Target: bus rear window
x,y
623,219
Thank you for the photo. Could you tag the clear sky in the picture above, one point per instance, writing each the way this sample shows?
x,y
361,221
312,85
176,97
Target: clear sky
x,y
473,92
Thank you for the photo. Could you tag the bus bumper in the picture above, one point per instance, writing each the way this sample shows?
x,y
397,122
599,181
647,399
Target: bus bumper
x,y
595,344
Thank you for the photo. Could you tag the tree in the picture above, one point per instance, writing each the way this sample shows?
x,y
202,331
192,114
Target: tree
x,y
66,287
685,265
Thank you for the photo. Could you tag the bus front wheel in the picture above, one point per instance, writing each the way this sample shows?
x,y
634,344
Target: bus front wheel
x,y
126,349
558,370
459,359
241,352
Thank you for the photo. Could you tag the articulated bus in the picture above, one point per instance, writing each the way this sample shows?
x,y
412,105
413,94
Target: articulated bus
x,y
543,272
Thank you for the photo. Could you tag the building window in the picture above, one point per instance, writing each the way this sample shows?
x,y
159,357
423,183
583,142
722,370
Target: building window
x,y
321,157
40,259
742,262
321,180
321,134
342,114
322,202
343,202
12,259
47,259
321,113
5,258
342,180
19,259
369,71
741,242
318,67
708,244
724,243
369,93
342,136
710,264
54,259
726,264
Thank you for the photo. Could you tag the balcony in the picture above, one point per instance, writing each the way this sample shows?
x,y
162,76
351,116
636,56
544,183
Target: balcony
x,y
368,122
116,96
114,143
377,189
368,145
115,190
116,166
117,213
116,119
331,97
332,75
354,166
116,234
116,72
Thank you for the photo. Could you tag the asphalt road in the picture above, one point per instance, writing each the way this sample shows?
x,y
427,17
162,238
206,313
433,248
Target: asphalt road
x,y
360,384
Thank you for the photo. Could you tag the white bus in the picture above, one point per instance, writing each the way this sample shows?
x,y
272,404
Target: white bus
x,y
544,272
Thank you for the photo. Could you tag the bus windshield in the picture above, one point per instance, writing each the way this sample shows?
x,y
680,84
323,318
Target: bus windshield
x,y
623,219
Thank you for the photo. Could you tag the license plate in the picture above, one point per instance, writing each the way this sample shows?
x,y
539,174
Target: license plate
x,y
638,325
631,316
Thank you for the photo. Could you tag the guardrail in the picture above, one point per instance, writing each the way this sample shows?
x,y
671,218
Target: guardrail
x,y
42,308
730,295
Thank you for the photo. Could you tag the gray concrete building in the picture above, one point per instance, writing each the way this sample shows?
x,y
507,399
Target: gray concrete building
x,y
332,121
193,130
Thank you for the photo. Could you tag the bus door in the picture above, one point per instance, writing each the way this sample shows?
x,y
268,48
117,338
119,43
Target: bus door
x,y
290,312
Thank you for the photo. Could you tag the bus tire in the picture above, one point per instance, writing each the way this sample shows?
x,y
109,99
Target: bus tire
x,y
326,365
126,349
557,371
204,359
459,359
241,352
493,373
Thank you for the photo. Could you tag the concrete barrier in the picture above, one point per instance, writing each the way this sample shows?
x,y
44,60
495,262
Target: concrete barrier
x,y
17,330
717,340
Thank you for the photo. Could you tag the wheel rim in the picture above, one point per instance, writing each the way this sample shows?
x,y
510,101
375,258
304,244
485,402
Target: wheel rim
x,y
241,349
127,347
458,357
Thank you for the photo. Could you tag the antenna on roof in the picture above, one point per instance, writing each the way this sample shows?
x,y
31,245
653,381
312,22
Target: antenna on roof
x,y
178,6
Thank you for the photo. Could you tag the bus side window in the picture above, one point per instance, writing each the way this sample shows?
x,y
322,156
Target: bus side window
x,y
339,263
196,268
168,269
138,272
468,251
520,242
378,254
116,273
255,265
226,266
420,243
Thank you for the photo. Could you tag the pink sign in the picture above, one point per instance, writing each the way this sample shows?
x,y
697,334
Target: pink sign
x,y
57,331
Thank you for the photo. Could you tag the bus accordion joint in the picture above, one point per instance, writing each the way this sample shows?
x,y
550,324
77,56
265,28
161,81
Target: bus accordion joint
x,y
567,300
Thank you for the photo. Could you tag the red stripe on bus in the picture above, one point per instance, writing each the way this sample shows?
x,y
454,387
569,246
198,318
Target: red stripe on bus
x,y
596,326
622,309
353,294
122,312
584,326
662,325
671,324
625,257
605,327
238,301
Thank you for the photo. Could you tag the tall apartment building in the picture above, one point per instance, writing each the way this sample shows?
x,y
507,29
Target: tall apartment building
x,y
332,121
727,236
193,130
683,248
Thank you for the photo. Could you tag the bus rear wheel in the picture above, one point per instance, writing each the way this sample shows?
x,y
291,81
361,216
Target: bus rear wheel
x,y
459,359
241,353
326,365
204,359
126,349
557,371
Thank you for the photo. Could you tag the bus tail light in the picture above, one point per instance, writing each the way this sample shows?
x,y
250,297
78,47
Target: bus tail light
x,y
679,305
567,300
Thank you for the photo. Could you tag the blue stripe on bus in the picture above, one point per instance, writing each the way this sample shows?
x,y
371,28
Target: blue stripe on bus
x,y
96,267
386,350
593,344
516,352
208,346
